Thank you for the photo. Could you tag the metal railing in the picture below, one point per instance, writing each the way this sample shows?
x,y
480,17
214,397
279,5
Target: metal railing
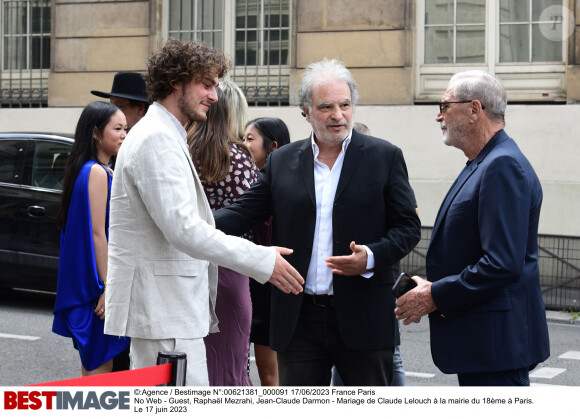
x,y
558,261
265,95
414,262
262,48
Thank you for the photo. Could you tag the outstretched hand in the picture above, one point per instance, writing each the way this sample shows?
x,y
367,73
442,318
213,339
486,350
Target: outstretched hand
x,y
415,303
353,264
285,277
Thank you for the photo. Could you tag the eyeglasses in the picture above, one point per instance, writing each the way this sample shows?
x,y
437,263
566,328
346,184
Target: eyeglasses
x,y
443,106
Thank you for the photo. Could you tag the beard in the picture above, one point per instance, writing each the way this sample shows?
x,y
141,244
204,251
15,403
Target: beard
x,y
322,133
187,108
454,133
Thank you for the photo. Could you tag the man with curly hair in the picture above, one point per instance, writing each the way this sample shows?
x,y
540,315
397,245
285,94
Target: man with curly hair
x,y
164,248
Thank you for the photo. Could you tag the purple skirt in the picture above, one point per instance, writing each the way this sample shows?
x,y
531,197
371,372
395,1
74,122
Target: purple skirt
x,y
228,350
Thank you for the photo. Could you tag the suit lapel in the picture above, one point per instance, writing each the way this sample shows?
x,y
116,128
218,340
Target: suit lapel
x,y
351,160
463,177
306,162
202,203
453,191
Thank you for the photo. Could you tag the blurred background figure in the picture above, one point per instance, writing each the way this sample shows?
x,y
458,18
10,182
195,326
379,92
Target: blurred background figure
x,y
238,108
263,136
129,94
362,128
83,218
226,169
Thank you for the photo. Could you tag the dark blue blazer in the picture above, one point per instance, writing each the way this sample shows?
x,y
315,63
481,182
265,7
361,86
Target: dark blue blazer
x,y
483,263
374,205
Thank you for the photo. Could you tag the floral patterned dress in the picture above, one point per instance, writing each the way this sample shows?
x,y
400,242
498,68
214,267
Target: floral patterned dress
x,y
227,351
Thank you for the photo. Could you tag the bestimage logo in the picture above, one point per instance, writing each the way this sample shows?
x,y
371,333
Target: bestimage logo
x,y
66,400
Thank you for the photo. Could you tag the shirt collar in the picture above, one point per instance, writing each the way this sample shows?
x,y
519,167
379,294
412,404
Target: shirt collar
x,y
316,150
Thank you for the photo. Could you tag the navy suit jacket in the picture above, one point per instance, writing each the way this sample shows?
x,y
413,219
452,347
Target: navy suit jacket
x,y
374,205
483,263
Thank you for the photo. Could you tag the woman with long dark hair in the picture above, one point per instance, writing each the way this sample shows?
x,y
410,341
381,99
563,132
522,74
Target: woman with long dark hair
x,y
226,169
83,218
263,136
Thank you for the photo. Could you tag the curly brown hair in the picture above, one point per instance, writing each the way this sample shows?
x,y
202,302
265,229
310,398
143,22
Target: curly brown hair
x,y
179,62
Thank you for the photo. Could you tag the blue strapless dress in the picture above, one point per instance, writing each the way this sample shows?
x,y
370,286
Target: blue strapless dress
x,y
79,285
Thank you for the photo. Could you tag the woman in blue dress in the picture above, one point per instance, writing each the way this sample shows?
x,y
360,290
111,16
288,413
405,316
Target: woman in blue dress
x,y
83,218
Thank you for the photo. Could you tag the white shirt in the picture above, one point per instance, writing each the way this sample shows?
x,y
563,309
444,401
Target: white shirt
x,y
319,276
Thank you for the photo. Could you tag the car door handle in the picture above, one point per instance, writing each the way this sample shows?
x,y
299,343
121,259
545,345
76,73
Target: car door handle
x,y
36,211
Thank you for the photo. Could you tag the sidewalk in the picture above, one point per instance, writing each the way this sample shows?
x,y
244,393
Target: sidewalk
x,y
559,317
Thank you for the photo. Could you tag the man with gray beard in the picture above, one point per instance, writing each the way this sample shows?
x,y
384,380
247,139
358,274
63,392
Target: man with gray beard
x,y
342,201
482,291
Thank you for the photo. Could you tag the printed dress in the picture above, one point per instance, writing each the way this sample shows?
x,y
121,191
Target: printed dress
x,y
79,285
227,351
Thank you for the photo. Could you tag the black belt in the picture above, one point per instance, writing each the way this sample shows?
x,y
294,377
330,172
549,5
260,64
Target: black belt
x,y
320,300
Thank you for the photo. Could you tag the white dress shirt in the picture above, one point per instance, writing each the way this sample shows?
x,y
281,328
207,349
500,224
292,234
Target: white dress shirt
x,y
319,276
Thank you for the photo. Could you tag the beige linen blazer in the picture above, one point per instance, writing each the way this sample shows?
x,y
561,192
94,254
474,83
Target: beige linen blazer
x,y
163,246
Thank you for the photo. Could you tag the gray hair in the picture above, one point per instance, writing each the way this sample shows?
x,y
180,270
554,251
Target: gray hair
x,y
477,84
238,108
321,72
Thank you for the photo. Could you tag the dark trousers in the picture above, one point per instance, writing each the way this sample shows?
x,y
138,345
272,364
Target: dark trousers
x,y
121,361
520,377
317,346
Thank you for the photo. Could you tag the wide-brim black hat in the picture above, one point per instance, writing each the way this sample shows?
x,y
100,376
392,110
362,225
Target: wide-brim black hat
x,y
127,85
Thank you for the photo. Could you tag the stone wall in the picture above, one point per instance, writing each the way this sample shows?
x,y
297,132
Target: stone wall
x,y
547,134
92,40
371,37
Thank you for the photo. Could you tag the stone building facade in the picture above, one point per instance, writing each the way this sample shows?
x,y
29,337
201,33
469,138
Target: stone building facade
x,y
401,52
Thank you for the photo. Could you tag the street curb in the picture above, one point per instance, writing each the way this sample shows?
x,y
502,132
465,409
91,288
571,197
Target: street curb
x,y
560,317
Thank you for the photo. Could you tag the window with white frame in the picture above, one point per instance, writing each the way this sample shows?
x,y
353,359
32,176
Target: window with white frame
x,y
25,52
523,42
254,33
454,32
524,31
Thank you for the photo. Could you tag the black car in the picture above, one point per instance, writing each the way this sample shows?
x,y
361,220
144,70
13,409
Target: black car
x,y
31,173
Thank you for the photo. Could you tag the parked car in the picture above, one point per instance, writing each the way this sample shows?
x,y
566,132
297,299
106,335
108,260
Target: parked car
x,y
31,173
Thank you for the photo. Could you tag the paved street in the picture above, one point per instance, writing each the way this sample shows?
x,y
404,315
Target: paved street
x,y
31,353
562,368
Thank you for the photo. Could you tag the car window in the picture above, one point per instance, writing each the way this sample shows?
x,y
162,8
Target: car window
x,y
49,164
11,156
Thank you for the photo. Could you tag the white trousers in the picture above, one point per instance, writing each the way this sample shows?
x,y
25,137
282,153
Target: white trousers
x,y
144,354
